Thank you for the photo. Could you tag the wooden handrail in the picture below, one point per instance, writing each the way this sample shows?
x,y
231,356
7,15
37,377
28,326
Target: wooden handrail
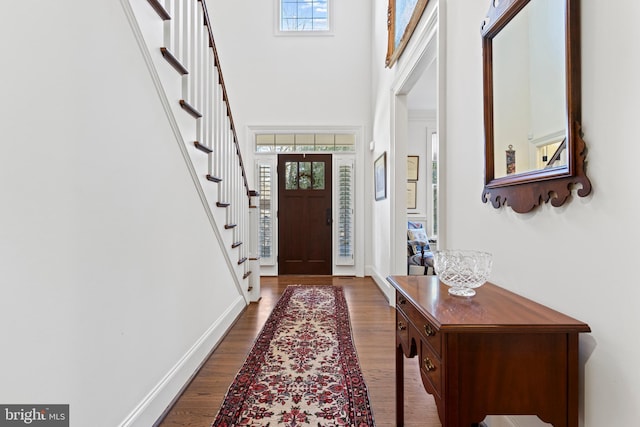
x,y
212,44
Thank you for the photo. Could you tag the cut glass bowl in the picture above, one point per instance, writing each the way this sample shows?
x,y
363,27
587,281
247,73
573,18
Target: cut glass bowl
x,y
462,270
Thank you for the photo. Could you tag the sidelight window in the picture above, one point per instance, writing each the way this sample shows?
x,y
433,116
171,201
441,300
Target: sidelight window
x,y
265,204
346,203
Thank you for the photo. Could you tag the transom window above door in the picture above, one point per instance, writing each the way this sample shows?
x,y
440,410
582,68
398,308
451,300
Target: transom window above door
x,y
304,142
304,16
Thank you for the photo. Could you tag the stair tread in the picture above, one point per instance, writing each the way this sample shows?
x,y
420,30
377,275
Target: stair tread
x,y
173,61
202,148
190,109
160,10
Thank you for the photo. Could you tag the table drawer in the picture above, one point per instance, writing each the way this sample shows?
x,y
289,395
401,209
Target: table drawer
x,y
427,330
430,368
402,332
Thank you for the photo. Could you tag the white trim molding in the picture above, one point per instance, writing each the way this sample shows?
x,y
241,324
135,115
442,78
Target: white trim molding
x,y
146,413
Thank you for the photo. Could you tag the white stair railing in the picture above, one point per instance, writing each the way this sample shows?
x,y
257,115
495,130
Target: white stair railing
x,y
187,44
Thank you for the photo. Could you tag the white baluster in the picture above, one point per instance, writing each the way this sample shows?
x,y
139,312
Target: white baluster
x,y
169,26
223,158
228,179
243,206
220,130
178,31
227,163
193,53
185,47
203,42
236,205
208,93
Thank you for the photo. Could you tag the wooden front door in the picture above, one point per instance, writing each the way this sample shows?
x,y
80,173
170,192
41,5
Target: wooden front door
x,y
304,214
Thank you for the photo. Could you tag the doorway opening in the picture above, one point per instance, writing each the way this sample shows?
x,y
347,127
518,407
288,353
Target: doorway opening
x,y
417,144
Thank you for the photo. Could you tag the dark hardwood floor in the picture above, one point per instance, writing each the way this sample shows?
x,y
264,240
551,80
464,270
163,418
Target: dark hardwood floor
x,y
373,325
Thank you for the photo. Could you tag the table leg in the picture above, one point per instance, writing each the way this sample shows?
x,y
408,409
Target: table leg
x,y
399,386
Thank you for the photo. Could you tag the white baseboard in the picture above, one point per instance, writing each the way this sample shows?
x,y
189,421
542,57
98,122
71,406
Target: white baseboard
x,y
147,412
383,284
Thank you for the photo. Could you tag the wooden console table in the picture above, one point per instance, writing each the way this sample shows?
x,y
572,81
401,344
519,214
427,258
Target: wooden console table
x,y
495,353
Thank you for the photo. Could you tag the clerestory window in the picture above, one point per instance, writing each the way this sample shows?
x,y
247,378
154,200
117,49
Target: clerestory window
x,y
303,16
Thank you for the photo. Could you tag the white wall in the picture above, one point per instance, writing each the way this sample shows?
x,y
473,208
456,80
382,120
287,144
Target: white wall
x,y
299,82
380,210
293,80
113,286
580,258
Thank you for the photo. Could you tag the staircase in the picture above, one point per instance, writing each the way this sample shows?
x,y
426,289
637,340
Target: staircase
x,y
177,42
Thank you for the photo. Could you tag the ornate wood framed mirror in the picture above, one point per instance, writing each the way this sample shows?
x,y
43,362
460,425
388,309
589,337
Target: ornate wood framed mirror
x,y
534,151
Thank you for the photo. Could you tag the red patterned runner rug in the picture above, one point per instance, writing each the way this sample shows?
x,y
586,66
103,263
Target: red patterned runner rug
x,y
303,369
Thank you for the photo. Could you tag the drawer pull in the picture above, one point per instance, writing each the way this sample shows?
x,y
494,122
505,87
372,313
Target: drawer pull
x,y
428,365
402,301
402,326
429,330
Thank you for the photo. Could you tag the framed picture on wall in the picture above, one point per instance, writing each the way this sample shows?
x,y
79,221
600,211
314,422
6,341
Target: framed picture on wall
x,y
412,195
380,176
403,16
412,168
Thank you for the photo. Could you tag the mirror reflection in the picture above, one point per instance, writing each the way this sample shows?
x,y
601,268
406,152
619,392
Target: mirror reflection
x,y
529,90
